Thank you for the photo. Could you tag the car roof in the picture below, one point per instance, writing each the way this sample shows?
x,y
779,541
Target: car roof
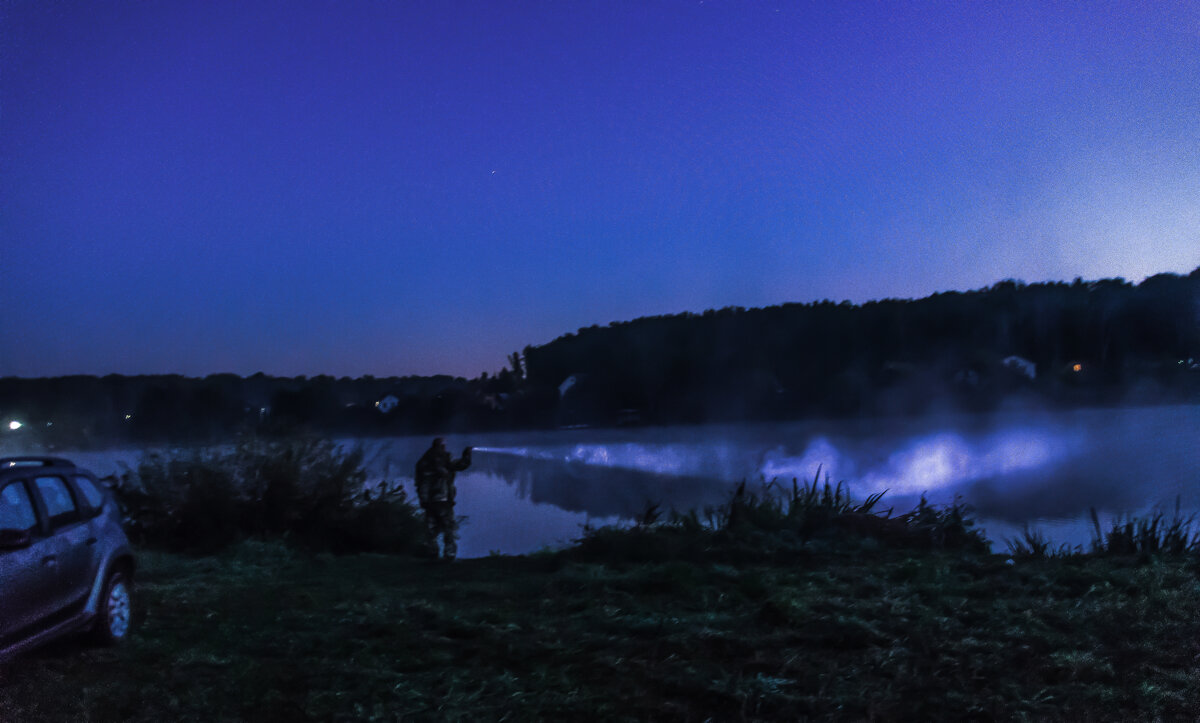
x,y
24,463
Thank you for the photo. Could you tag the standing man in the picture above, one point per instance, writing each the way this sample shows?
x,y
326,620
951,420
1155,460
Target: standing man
x,y
435,491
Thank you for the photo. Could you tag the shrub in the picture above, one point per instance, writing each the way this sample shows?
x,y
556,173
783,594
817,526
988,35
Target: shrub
x,y
949,526
1145,535
309,491
816,509
779,521
1034,545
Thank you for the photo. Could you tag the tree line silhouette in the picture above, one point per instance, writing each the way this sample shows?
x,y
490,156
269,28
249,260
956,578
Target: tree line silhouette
x,y
1055,343
1106,341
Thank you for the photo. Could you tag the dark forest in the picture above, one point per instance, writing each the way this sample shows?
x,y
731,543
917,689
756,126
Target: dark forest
x,y
1058,344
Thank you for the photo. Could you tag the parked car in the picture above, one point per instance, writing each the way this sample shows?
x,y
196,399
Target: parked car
x,y
65,563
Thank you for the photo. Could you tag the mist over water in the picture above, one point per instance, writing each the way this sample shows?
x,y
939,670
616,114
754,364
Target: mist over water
x,y
924,465
1046,469
528,490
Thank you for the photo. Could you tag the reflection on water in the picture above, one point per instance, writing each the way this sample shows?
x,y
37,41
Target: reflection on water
x,y
1043,468
544,496
605,491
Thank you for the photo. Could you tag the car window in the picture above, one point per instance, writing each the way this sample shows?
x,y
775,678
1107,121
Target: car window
x,y
16,509
91,495
59,504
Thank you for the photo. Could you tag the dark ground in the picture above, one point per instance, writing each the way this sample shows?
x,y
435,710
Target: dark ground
x,y
261,633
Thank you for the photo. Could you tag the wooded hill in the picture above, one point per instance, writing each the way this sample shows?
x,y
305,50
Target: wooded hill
x,y
1084,342
1056,343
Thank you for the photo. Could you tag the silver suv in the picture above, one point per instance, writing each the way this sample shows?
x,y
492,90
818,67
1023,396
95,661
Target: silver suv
x,y
65,563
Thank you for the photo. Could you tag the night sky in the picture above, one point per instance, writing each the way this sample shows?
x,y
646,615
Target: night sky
x,y
397,188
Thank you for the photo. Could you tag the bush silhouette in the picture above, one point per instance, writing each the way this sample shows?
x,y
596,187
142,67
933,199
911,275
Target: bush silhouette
x,y
305,490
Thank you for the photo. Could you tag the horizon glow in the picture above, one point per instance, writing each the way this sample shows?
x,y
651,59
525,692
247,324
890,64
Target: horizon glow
x,y
305,188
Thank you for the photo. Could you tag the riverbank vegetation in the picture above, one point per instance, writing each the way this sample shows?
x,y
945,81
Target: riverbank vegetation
x,y
789,602
310,492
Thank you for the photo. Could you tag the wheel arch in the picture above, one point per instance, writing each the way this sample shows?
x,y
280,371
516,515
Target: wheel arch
x,y
123,561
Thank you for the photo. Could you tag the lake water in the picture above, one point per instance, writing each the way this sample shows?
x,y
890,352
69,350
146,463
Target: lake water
x,y
1046,469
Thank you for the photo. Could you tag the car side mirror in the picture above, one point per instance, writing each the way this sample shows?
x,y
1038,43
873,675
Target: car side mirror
x,y
11,539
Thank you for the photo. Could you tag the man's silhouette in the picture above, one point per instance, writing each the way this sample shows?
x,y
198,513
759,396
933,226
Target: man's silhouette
x,y
435,490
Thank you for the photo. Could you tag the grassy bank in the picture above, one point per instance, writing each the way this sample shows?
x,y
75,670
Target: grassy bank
x,y
785,603
631,627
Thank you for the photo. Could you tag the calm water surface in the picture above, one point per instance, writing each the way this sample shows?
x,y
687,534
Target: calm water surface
x,y
1045,469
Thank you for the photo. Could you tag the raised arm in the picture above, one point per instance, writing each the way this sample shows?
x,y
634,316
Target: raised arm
x,y
462,462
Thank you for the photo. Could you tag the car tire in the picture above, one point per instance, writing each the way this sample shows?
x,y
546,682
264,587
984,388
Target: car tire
x,y
114,618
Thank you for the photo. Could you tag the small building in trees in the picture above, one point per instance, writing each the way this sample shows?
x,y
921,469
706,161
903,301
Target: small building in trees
x,y
1021,365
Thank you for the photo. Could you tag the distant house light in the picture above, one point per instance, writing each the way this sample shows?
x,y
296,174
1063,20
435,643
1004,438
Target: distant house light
x,y
1077,368
15,425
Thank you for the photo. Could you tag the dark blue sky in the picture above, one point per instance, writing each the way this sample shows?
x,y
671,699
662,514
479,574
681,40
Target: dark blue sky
x,y
395,188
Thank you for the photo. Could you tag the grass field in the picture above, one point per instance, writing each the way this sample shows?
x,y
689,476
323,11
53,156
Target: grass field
x,y
669,625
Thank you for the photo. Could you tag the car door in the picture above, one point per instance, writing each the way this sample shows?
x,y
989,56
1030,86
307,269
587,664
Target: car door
x,y
29,575
74,540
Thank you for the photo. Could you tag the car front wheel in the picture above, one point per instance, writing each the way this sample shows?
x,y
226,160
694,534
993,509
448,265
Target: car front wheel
x,y
116,610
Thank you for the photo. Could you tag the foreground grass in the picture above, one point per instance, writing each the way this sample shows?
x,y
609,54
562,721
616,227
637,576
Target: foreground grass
x,y
856,631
